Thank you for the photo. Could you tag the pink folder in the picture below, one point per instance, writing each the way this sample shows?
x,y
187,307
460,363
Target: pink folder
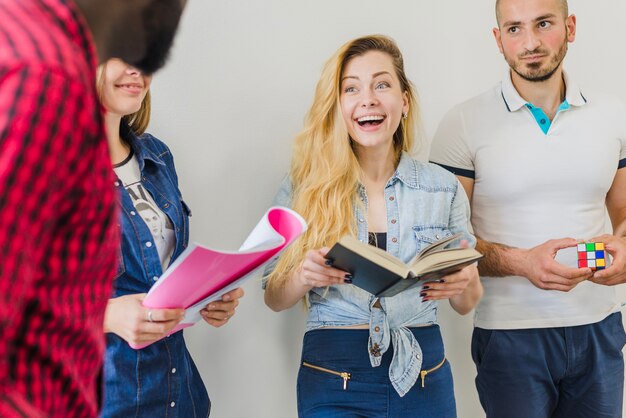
x,y
201,275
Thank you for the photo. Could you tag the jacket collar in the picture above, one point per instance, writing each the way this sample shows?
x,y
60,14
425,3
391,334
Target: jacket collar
x,y
406,172
142,153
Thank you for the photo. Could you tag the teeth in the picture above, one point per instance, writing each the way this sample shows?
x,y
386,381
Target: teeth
x,y
370,118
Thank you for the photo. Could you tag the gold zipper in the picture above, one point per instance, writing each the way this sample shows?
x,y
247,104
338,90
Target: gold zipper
x,y
423,373
344,375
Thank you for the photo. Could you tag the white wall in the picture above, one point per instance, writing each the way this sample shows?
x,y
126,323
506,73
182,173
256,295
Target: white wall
x,y
234,94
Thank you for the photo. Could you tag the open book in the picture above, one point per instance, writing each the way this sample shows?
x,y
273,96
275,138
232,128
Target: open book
x,y
384,275
201,275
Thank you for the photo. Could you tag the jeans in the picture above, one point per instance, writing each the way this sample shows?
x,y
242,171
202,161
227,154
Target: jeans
x,y
368,392
551,372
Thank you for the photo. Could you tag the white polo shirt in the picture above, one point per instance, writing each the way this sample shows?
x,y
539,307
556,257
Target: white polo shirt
x,y
531,186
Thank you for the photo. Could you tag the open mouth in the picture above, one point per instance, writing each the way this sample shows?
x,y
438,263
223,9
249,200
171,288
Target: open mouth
x,y
372,120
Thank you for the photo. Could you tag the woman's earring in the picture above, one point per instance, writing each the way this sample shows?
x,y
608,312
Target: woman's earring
x,y
405,115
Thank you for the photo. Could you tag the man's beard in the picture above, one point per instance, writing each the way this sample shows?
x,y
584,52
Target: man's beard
x,y
160,24
533,72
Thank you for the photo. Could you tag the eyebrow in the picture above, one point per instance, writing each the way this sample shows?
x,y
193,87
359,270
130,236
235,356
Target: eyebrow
x,y
373,75
537,19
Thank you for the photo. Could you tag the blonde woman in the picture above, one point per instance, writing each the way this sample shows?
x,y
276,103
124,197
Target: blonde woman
x,y
351,173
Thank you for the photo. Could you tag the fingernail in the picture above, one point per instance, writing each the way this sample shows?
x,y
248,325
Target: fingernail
x,y
442,281
425,287
423,294
328,262
348,281
211,306
348,276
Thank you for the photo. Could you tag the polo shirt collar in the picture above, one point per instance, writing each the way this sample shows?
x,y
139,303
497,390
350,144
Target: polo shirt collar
x,y
513,101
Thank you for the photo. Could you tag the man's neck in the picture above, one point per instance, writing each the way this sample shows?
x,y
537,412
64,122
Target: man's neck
x,y
548,94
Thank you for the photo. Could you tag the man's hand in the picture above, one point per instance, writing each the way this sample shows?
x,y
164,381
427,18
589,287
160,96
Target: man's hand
x,y
543,271
616,272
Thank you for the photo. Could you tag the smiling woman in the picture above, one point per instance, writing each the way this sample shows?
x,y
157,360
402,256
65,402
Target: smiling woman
x,y
154,225
352,173
372,104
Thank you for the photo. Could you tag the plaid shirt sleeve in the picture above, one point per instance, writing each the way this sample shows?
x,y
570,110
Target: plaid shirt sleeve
x,y
37,146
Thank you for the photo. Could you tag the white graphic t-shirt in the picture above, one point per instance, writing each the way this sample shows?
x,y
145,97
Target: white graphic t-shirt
x,y
158,222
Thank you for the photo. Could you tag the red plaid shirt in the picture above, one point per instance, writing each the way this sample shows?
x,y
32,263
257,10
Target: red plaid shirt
x,y
58,233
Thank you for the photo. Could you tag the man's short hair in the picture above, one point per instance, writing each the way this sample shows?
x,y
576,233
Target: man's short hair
x,y
564,7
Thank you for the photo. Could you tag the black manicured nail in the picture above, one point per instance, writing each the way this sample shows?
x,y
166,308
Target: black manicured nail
x,y
348,281
425,287
328,262
423,294
348,276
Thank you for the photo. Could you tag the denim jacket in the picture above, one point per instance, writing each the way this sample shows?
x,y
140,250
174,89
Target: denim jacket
x,y
161,379
424,203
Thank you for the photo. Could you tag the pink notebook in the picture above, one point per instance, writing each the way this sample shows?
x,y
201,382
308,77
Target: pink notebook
x,y
201,275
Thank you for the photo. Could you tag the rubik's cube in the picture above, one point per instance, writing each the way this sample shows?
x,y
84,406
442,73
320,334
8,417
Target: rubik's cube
x,y
592,255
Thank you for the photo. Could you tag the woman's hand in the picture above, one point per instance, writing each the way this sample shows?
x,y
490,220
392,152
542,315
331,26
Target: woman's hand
x,y
219,312
126,317
462,288
315,271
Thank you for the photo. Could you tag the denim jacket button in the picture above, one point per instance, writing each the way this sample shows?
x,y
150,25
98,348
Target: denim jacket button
x,y
155,278
174,370
377,329
148,244
392,198
393,221
173,404
132,212
394,239
167,205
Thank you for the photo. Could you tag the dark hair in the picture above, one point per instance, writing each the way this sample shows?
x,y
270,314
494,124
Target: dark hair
x,y
564,8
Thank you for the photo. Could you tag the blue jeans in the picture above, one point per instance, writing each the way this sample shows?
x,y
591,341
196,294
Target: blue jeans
x,y
368,392
551,372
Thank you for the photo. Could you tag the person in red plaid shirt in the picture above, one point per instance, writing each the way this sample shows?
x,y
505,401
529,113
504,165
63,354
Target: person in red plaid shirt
x,y
58,219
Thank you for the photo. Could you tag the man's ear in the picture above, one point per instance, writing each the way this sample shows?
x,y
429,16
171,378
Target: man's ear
x,y
570,25
498,38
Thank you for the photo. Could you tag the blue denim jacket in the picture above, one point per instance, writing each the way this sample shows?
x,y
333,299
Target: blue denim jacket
x,y
424,203
161,379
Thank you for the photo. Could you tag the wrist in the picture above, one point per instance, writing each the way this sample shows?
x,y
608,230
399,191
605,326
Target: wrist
x,y
107,323
518,261
300,281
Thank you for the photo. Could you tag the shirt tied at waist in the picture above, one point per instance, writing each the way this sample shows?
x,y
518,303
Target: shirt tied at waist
x,y
407,354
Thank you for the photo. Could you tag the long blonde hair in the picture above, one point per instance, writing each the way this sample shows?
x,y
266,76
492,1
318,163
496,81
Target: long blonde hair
x,y
324,168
